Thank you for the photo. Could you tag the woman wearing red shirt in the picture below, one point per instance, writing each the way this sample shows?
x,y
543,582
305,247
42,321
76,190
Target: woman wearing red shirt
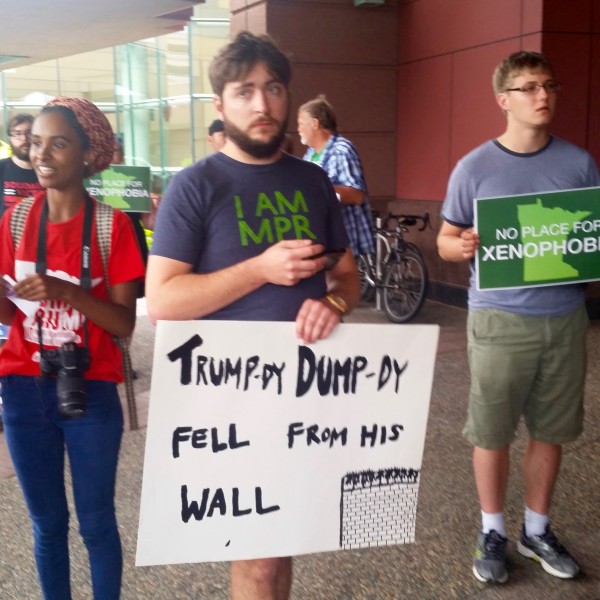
x,y
47,405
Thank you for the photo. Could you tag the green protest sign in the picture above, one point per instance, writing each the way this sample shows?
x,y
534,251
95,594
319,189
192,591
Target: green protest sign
x,y
538,239
126,188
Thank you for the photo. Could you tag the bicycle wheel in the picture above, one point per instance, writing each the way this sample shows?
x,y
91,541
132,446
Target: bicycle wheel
x,y
415,250
404,286
367,291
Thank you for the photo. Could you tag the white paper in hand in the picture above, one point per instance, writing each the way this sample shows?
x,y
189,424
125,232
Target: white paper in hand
x,y
26,306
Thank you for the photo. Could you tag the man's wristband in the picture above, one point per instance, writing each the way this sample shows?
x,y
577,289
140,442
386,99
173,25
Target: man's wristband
x,y
337,303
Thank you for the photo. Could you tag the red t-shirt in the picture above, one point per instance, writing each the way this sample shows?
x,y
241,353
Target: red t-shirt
x,y
60,322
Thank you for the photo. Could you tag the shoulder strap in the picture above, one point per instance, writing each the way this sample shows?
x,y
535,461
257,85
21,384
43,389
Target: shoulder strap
x,y
18,218
104,218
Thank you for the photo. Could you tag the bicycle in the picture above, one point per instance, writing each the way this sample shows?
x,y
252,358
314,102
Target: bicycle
x,y
397,271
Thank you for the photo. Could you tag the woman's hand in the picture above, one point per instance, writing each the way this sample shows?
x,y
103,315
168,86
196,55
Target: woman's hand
x,y
7,308
116,315
43,287
4,288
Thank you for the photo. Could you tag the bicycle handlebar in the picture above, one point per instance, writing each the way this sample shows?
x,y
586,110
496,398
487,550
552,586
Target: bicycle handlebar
x,y
408,220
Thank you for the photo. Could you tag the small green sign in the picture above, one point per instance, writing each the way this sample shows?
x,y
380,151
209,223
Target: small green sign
x,y
531,240
126,188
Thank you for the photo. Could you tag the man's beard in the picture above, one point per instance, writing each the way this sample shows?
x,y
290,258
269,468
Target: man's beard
x,y
20,154
252,147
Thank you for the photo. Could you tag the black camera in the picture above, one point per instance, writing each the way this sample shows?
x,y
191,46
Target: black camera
x,y
68,363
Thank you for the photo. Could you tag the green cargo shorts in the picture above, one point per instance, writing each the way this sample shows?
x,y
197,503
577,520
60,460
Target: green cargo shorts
x,y
525,366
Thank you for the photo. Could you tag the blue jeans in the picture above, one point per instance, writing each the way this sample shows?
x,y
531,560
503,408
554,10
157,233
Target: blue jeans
x,y
36,436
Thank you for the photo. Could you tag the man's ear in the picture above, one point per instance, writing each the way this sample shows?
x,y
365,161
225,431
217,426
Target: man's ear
x,y
502,101
218,104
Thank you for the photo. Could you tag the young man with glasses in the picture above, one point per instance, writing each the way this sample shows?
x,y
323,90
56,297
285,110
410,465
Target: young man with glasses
x,y
17,177
526,346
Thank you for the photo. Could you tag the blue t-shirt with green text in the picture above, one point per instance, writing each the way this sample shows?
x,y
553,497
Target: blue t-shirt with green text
x,y
219,212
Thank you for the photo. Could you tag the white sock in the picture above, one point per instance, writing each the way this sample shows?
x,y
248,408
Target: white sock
x,y
491,521
535,524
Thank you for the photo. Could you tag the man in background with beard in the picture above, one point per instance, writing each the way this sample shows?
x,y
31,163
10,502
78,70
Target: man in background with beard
x,y
17,181
245,233
17,177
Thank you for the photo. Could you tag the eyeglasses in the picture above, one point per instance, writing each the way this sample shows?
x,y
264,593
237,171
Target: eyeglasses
x,y
532,88
19,134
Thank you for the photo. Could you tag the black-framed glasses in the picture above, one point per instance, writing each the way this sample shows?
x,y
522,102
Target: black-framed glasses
x,y
532,88
19,134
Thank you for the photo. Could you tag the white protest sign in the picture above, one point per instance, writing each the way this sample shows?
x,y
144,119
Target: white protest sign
x,y
260,446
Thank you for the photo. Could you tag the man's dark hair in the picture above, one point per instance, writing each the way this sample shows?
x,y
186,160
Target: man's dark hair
x,y
512,65
321,110
238,58
119,141
19,119
215,126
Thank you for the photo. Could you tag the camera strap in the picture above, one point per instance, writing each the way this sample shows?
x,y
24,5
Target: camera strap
x,y
41,264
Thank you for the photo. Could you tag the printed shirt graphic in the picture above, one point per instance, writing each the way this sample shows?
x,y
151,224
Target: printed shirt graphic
x,y
60,322
18,184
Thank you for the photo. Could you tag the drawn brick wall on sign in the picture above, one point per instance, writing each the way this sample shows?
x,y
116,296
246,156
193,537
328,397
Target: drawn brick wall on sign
x,y
378,508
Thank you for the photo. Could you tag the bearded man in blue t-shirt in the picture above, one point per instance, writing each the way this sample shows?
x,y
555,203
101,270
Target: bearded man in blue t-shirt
x,y
249,233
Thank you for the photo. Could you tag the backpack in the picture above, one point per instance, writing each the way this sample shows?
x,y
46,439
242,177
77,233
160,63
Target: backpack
x,y
103,215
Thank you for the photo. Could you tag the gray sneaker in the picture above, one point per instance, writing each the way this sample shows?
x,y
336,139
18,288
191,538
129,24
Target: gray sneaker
x,y
547,550
489,564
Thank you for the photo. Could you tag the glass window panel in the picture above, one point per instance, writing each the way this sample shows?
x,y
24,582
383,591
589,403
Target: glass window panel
x,y
178,135
31,86
207,39
175,64
89,75
212,9
204,114
155,92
